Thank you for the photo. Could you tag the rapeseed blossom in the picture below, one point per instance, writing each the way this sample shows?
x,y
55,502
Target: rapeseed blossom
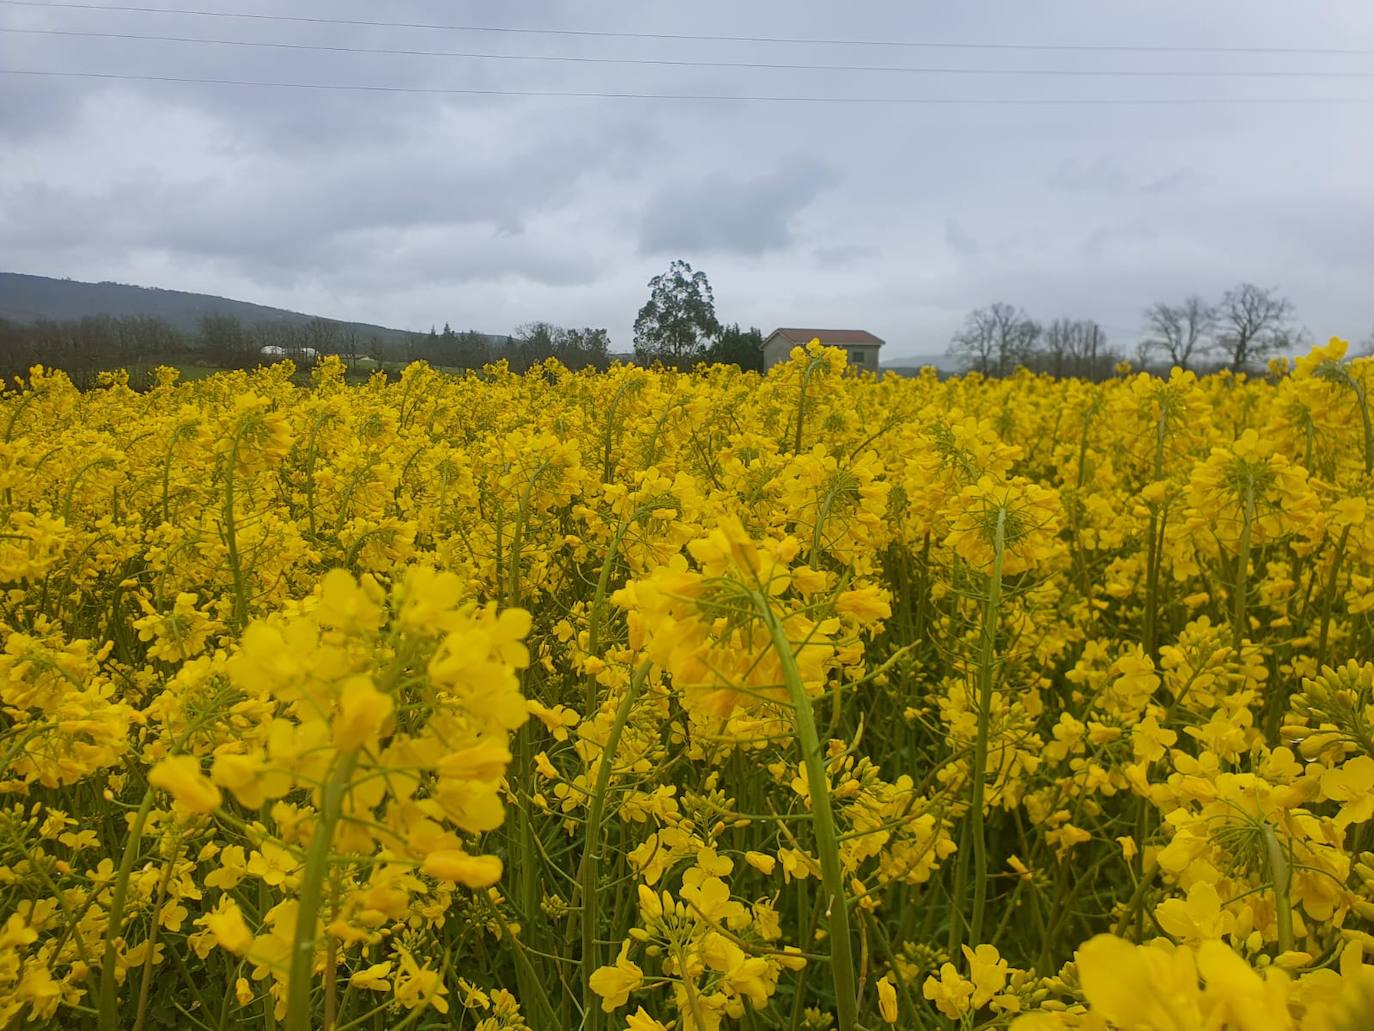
x,y
647,699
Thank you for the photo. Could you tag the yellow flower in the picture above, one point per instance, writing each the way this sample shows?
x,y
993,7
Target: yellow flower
x,y
349,605
546,769
864,604
250,778
373,978
273,864
987,971
1251,1003
177,635
1020,517
1352,784
764,864
887,999
417,986
191,790
227,925
457,866
615,983
950,991
1140,985
362,715
1199,918
231,866
641,1021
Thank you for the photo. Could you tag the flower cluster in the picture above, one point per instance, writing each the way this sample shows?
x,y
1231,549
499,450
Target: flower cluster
x,y
648,700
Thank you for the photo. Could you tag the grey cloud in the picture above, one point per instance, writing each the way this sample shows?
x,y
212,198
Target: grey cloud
x,y
1098,174
835,255
409,209
720,213
958,240
1175,181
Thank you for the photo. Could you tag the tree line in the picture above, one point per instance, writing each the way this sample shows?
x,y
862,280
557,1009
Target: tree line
x,y
1246,326
677,327
84,347
530,344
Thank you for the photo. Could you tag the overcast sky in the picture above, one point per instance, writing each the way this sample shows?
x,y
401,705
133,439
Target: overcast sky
x,y
489,211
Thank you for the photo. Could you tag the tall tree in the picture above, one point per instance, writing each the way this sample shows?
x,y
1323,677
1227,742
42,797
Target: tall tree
x,y
1253,322
472,350
1182,333
580,348
678,322
996,339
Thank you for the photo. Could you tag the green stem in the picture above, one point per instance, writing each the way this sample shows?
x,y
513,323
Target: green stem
x,y
240,614
1280,873
698,1018
302,961
823,822
1154,547
1363,401
1238,619
986,662
1329,598
594,614
109,1014
155,925
591,862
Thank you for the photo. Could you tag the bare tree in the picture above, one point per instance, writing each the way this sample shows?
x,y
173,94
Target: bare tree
x,y
1057,346
324,336
1180,332
996,339
1075,347
350,345
226,343
1253,322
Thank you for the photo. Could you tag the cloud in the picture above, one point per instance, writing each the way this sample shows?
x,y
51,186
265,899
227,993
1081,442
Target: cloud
x,y
487,211
837,255
957,240
720,213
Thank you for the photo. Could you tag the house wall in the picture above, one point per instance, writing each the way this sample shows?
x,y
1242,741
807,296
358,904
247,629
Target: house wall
x,y
776,349
863,356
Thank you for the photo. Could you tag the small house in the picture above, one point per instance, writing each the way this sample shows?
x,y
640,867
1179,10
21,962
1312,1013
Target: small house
x,y
861,345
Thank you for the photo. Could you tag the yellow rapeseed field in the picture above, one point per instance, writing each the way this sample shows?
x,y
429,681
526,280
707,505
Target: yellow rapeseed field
x,y
647,700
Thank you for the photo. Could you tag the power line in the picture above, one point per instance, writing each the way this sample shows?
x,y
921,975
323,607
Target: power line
x,y
695,37
656,62
761,98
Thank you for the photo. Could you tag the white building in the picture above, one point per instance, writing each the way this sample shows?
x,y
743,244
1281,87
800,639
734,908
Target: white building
x,y
862,345
276,351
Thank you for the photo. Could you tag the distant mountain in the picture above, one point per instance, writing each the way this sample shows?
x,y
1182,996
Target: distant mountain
x,y
31,298
911,364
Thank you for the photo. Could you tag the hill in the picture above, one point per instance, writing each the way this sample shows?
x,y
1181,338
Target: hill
x,y
25,298
910,365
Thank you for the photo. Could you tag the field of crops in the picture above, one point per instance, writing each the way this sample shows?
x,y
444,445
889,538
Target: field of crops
x,y
655,700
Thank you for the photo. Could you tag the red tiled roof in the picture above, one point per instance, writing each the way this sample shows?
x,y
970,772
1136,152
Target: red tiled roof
x,y
829,336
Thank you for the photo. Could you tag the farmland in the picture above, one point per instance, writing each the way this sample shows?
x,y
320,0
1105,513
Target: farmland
x,y
647,699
